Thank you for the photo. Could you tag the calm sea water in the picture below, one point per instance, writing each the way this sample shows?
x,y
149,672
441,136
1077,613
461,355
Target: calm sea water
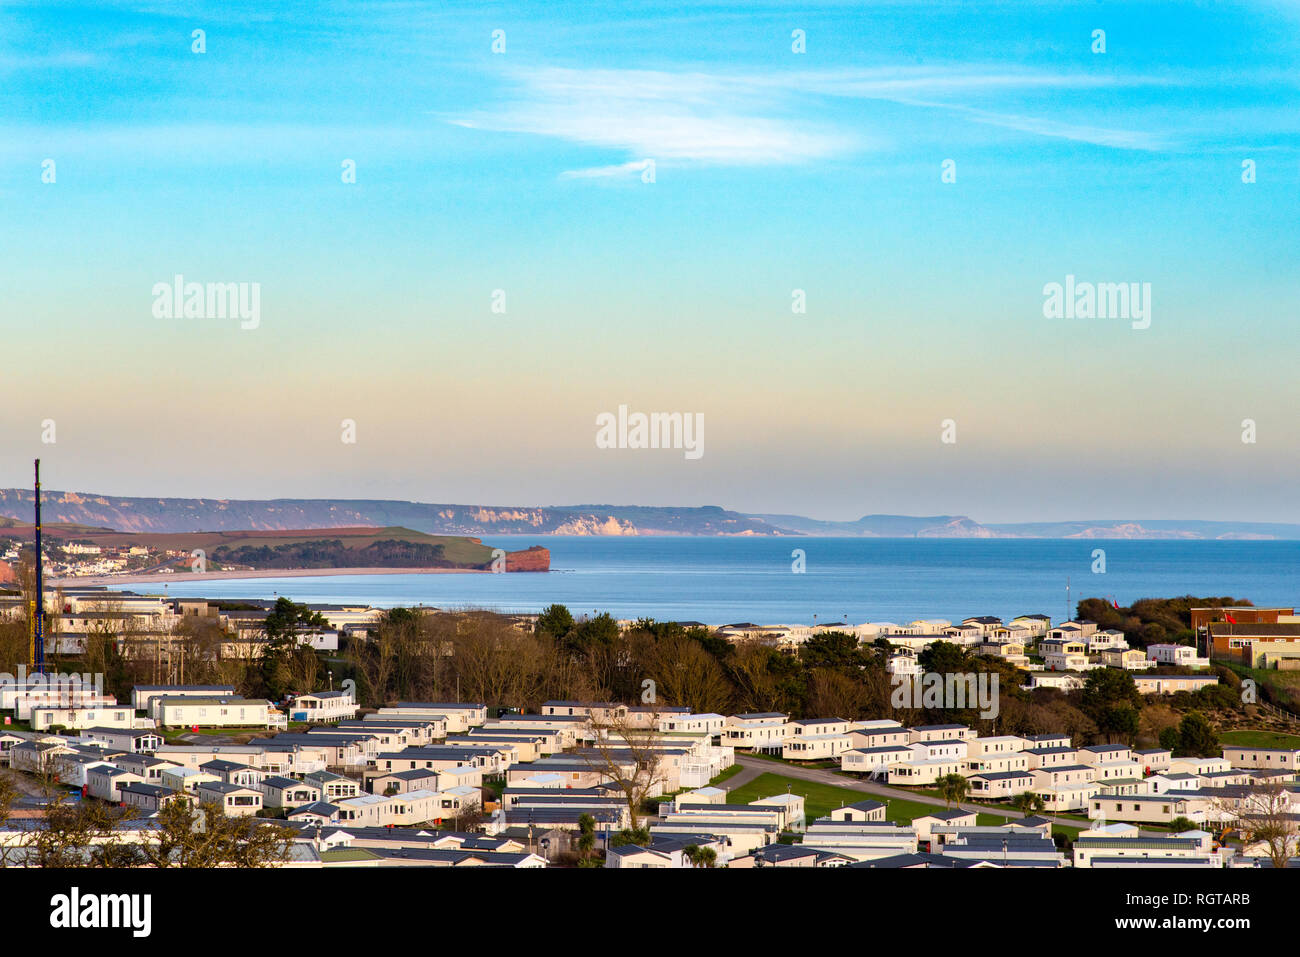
x,y
724,580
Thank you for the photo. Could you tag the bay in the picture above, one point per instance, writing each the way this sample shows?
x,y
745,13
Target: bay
x,y
725,580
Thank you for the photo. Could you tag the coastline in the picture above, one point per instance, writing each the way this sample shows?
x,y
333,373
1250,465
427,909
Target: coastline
x,y
128,579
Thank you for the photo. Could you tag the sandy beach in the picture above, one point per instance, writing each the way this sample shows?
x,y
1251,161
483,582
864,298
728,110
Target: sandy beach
x,y
181,578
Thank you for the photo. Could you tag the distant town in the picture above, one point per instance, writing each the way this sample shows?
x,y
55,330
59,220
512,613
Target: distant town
x,y
75,559
1161,735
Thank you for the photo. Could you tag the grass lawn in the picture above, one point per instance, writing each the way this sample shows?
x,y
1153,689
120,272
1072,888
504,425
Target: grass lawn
x,y
821,799
1260,739
726,774
1283,686
172,734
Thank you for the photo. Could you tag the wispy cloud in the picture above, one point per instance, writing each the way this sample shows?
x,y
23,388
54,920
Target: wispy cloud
x,y
689,117
618,171
770,119
69,59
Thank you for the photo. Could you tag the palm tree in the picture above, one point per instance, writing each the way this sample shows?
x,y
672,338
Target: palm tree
x,y
1029,803
953,787
586,836
700,856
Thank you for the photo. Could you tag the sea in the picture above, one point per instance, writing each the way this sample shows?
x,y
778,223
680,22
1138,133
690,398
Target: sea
x,y
790,580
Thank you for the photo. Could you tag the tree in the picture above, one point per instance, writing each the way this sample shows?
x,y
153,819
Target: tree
x,y
766,679
833,649
81,834
1196,737
1180,824
631,759
1029,803
286,617
8,795
1118,722
1263,818
953,787
1171,740
586,838
282,627
1108,688
555,621
86,834
700,856
833,693
686,674
206,837
639,836
943,657
495,663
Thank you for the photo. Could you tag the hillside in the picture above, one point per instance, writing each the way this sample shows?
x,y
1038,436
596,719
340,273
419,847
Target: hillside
x,y
97,512
885,526
168,515
356,547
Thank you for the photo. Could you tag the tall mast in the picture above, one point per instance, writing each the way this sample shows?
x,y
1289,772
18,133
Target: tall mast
x,y
38,632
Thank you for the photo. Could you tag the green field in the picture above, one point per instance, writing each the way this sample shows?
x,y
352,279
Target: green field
x,y
1260,739
459,550
821,799
725,774
1283,686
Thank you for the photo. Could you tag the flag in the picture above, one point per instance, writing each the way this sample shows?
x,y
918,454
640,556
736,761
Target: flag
x,y
1115,603
1230,618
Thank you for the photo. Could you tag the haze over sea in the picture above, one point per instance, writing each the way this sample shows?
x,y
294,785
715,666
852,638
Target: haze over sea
x,y
724,580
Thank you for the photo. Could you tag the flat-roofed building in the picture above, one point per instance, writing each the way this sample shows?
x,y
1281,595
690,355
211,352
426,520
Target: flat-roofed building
x,y
180,712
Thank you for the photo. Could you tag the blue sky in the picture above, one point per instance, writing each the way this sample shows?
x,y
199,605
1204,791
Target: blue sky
x,y
774,171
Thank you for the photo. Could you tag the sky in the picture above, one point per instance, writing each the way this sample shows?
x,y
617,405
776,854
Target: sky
x,y
560,209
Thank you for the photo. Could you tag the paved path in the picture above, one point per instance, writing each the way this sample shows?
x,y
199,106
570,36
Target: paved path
x,y
750,770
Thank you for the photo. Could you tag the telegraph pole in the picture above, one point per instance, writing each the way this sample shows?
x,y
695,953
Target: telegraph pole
x,y
38,620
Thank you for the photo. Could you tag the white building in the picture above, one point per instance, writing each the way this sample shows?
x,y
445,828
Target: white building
x,y
214,712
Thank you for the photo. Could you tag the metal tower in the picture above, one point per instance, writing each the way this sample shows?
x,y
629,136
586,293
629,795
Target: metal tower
x,y
38,619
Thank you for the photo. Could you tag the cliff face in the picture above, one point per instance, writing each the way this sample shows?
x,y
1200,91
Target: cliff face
x,y
171,515
535,559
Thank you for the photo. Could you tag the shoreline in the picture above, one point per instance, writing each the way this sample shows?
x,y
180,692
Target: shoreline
x,y
128,579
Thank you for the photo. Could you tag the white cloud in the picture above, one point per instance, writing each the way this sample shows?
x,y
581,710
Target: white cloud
x,y
771,119
671,117
620,170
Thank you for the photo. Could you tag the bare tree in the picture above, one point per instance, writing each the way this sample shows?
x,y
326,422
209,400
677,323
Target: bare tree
x,y
685,674
495,663
373,660
630,758
833,693
9,794
304,669
1264,816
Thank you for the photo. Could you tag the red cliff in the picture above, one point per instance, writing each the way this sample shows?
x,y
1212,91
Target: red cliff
x,y
535,559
